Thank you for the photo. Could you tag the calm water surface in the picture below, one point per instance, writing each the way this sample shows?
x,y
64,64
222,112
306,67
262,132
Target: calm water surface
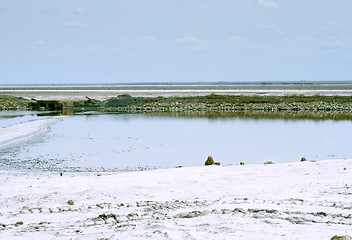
x,y
130,142
8,118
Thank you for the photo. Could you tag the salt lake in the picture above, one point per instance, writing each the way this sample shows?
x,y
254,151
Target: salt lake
x,y
123,142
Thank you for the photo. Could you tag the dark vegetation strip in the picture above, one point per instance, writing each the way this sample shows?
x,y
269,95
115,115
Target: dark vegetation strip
x,y
12,103
126,100
243,99
212,106
215,103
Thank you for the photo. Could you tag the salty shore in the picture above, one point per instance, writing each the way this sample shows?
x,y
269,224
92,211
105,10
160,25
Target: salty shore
x,y
22,132
301,200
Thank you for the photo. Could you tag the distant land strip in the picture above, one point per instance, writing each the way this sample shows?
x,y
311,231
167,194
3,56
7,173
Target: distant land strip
x,y
105,91
255,106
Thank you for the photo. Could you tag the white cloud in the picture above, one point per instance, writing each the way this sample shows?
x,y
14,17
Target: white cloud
x,y
148,38
240,43
266,3
79,11
291,42
299,40
304,38
251,47
237,38
53,54
329,24
42,43
337,42
188,39
74,24
38,44
267,27
191,41
279,31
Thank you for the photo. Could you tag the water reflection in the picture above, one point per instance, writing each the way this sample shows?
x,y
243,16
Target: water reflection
x,y
288,115
114,142
8,118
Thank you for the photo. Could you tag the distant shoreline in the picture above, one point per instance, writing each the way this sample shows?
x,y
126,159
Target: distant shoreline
x,y
105,91
220,83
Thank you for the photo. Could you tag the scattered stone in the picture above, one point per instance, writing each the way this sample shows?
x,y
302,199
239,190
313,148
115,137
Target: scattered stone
x,y
192,214
321,214
269,162
217,163
242,163
303,159
105,217
209,161
18,223
70,202
344,237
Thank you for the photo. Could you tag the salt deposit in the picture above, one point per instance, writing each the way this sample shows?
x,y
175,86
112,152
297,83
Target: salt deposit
x,y
302,200
19,133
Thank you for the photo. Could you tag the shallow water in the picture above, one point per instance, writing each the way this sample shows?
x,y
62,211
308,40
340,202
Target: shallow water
x,y
8,118
114,142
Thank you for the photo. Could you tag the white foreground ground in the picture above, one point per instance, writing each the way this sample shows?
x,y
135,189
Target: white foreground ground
x,y
308,200
302,200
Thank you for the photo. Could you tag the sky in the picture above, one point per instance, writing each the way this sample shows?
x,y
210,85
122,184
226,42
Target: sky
x,y
115,41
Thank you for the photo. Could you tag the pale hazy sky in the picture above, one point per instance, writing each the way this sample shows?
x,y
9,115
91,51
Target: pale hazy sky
x,y
115,41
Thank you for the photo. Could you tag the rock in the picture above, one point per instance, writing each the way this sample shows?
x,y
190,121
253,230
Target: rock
x,y
18,223
70,202
209,161
303,159
179,166
242,163
217,163
344,237
269,162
